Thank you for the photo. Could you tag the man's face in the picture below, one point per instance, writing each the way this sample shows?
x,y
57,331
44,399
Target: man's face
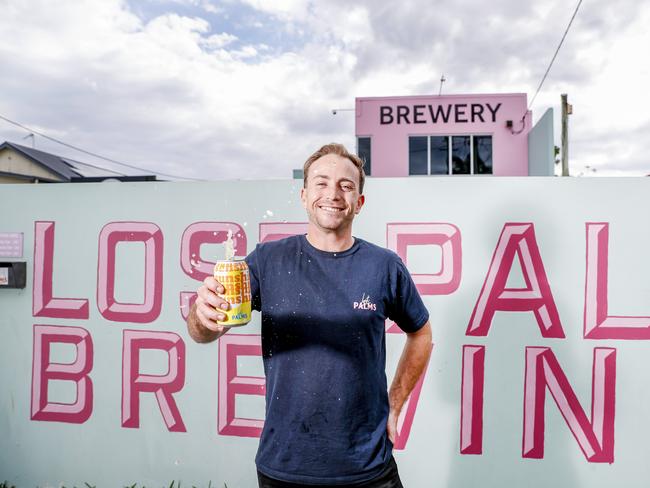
x,y
331,196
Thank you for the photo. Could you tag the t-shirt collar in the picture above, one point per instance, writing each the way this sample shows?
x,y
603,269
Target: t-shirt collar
x,y
339,254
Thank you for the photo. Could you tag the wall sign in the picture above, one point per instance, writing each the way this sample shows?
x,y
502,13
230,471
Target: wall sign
x,y
438,114
11,244
541,320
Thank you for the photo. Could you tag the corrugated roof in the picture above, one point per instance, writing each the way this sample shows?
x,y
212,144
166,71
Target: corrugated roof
x,y
85,169
51,161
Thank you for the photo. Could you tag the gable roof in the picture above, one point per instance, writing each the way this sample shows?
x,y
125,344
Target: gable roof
x,y
54,163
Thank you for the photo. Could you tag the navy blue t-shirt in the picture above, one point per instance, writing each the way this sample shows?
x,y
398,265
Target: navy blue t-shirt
x,y
324,352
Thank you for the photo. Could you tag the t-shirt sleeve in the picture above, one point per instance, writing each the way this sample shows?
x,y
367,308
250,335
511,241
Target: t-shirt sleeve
x,y
254,273
406,308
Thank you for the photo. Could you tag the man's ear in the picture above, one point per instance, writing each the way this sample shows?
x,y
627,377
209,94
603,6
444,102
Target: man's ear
x,y
360,202
303,197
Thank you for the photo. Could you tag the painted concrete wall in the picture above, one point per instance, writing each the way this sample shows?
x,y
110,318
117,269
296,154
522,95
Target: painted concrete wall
x,y
539,305
541,154
467,114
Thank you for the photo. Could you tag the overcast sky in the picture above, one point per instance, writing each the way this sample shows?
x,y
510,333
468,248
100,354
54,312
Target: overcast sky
x,y
244,88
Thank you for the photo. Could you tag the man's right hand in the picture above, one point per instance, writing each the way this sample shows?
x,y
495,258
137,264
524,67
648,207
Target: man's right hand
x,y
207,312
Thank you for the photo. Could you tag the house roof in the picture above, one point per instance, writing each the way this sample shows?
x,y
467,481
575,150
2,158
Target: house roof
x,y
54,163
71,170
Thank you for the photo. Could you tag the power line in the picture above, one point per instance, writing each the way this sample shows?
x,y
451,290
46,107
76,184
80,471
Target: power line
x,y
34,131
555,55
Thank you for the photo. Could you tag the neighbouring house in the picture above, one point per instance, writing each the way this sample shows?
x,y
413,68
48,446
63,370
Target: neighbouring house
x,y
21,164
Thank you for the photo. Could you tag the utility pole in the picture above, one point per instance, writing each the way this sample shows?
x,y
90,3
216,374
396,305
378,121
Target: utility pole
x,y
567,109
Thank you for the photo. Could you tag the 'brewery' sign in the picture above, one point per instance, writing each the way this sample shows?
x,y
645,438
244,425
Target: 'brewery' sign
x,y
460,113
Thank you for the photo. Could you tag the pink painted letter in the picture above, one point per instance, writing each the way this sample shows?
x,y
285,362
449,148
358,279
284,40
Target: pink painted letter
x,y
471,400
191,263
447,236
405,420
164,386
44,304
399,236
230,384
44,371
595,438
152,237
597,323
516,239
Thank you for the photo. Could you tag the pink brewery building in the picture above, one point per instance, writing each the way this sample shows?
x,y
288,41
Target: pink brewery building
x,y
486,135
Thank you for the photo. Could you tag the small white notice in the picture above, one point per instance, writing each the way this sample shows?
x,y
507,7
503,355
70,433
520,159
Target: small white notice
x,y
11,244
4,276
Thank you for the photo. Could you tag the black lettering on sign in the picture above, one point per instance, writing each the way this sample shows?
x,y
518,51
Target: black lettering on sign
x,y
493,111
418,114
477,112
439,113
385,115
402,113
459,111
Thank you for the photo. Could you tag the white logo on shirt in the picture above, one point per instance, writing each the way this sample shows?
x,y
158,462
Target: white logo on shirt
x,y
365,303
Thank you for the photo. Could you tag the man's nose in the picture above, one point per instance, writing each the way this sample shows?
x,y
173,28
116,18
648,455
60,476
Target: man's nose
x,y
333,192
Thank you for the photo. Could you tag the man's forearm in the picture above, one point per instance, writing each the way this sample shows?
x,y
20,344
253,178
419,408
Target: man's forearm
x,y
197,331
414,359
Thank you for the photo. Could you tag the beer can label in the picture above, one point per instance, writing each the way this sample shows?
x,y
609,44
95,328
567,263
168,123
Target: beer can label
x,y
235,278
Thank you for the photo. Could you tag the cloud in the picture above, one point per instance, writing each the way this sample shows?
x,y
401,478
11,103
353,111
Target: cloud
x,y
206,5
167,93
294,10
217,41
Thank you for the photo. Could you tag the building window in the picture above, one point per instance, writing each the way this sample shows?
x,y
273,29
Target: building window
x,y
439,155
363,151
483,155
450,155
418,156
461,162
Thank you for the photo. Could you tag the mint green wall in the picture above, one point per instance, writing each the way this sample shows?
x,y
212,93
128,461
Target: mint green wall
x,y
101,452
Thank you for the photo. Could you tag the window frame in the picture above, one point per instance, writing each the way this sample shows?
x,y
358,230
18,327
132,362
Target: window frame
x,y
449,138
491,154
367,173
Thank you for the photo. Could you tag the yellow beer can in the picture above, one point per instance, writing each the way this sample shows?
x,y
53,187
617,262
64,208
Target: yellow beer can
x,y
235,278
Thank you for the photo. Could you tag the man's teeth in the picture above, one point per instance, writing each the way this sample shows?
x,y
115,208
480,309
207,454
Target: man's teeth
x,y
332,209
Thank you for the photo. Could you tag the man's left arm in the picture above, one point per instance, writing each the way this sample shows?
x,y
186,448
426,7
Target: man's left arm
x,y
415,357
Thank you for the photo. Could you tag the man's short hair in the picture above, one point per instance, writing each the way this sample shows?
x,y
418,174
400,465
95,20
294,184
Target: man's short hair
x,y
339,150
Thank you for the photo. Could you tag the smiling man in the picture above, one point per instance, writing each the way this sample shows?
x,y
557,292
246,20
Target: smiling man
x,y
325,297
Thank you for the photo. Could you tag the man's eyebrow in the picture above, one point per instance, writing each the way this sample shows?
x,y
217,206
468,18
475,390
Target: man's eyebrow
x,y
346,180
